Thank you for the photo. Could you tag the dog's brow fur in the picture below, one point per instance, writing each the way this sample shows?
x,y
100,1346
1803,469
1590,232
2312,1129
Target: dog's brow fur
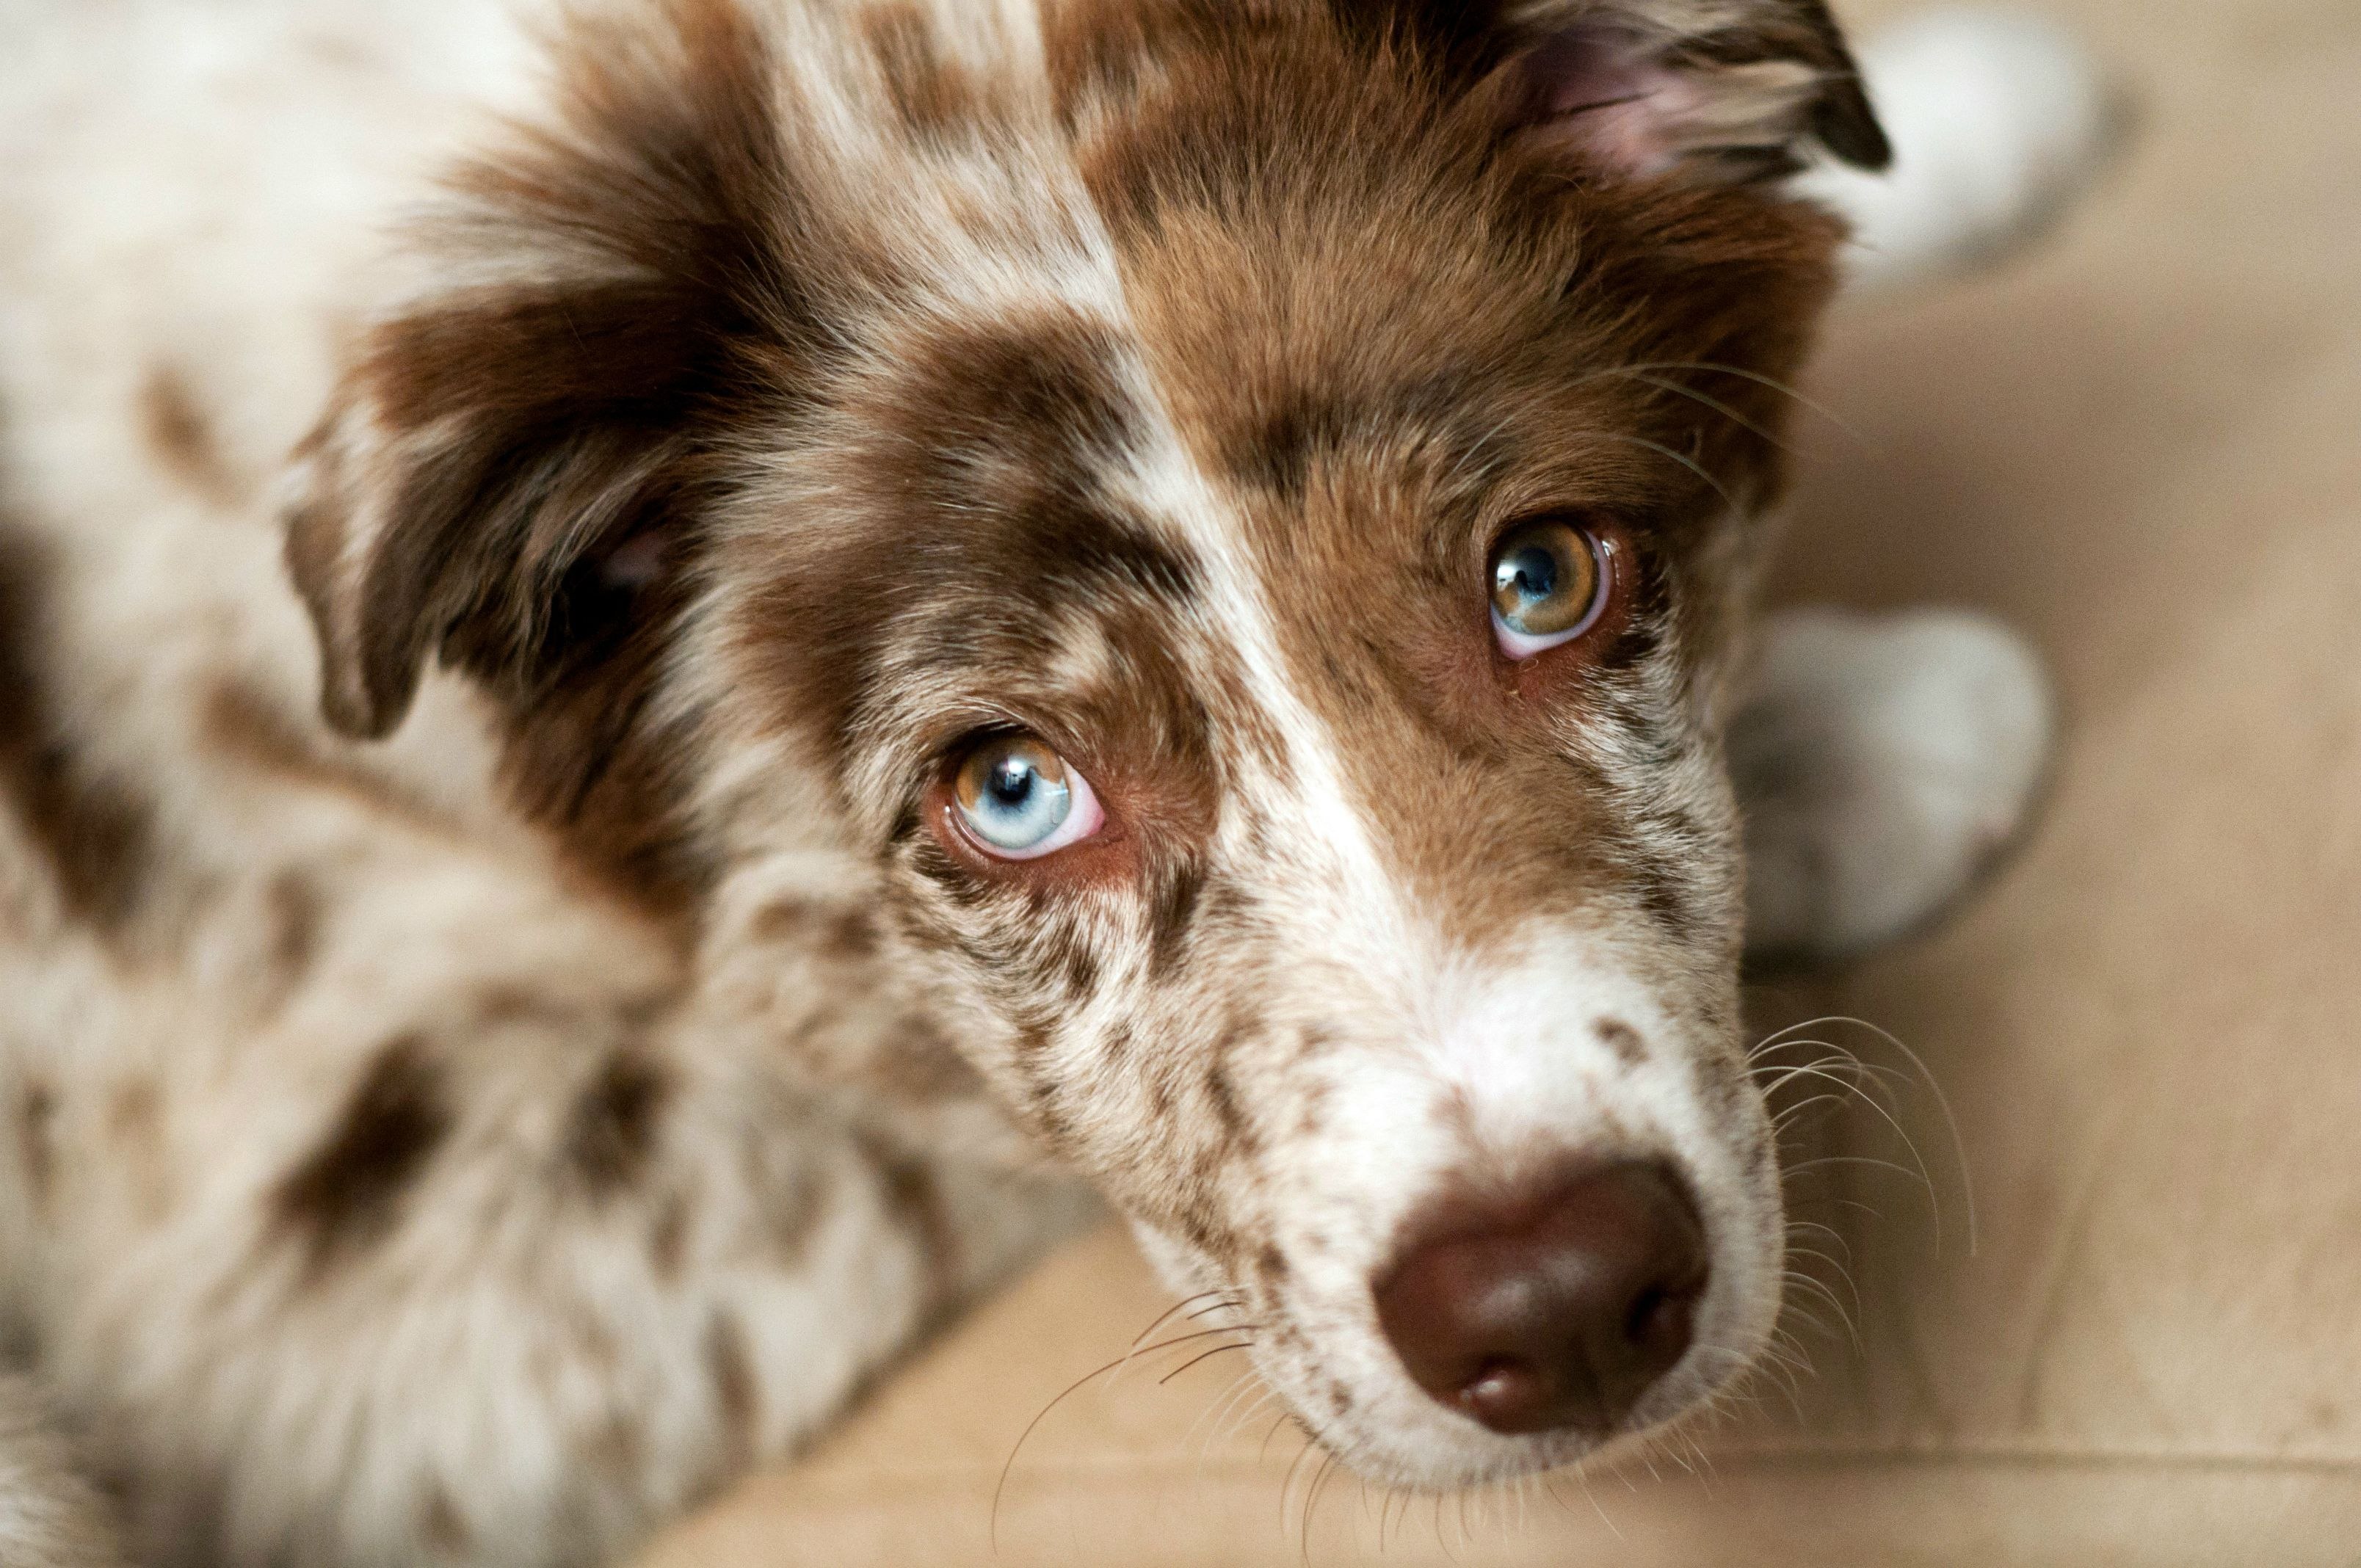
x,y
596,996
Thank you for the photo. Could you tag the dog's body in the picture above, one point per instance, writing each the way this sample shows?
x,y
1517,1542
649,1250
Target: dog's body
x,y
469,1129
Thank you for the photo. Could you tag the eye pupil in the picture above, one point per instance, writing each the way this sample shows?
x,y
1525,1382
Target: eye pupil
x,y
1012,781
1532,573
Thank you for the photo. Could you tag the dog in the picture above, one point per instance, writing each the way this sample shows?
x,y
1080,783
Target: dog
x,y
676,678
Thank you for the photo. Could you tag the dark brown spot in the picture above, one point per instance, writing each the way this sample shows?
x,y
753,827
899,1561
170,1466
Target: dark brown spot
x,y
1313,1116
730,1369
137,1153
668,1239
918,1065
844,933
501,1005
612,1135
295,914
1623,1040
600,1352
36,1114
1223,1095
1035,403
932,97
1278,455
1079,962
851,936
1051,1121
440,1523
347,1192
182,440
134,1111
95,831
1171,914
617,1450
914,1199
792,1202
100,836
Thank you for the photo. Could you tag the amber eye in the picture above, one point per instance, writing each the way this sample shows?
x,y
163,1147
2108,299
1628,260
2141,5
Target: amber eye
x,y
1018,800
1549,585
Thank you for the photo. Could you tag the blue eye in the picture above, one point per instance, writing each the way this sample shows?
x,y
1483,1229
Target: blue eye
x,y
1549,585
1018,800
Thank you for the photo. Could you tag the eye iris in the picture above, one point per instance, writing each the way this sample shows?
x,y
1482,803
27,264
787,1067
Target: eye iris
x,y
1545,579
1014,793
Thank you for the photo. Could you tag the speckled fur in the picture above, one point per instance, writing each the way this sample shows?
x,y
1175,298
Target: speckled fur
x,y
471,1125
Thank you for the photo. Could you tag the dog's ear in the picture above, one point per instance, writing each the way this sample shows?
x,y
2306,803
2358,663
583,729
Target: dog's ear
x,y
515,455
1721,89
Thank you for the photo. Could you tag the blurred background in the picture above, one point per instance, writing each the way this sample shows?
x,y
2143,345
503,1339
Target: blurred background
x,y
2141,442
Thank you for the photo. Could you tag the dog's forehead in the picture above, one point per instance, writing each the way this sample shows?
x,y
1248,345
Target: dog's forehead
x,y
1188,463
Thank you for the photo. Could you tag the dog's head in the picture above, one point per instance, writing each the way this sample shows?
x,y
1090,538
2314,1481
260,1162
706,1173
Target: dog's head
x,y
1214,532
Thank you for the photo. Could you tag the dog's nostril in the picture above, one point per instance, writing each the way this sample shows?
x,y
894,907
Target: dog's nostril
x,y
1557,1312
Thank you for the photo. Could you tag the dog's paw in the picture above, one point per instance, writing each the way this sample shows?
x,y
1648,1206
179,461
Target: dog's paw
x,y
1999,120
1882,761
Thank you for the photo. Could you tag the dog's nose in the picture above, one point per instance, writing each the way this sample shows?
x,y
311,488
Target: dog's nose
x,y
1559,1311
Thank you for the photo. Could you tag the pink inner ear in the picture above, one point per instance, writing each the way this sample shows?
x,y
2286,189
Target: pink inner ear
x,y
1599,91
637,564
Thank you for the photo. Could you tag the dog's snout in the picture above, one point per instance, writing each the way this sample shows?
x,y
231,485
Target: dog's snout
x,y
1556,1312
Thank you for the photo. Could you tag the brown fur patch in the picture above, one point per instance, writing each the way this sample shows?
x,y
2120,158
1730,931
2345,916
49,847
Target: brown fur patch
x,y
737,1397
668,1239
440,1523
914,1199
1237,1128
919,1066
841,933
612,1135
135,1110
1623,1040
37,1115
347,1192
1172,913
934,98
181,437
99,836
618,1449
94,831
136,1152
297,912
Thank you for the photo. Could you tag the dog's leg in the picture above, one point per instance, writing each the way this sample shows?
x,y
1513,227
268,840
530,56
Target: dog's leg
x,y
49,1518
1882,761
1999,122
